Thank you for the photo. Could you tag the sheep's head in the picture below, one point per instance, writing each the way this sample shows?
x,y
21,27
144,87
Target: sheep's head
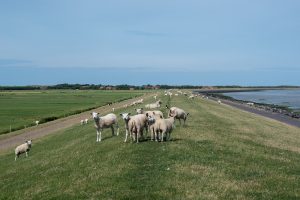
x,y
29,142
151,119
125,116
95,115
139,110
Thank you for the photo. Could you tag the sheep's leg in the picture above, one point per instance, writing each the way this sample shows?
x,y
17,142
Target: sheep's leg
x,y
97,140
117,125
162,136
179,121
100,138
156,136
16,157
126,135
112,130
26,154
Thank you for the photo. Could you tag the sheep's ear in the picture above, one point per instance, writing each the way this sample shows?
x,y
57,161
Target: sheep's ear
x,y
120,114
147,114
160,116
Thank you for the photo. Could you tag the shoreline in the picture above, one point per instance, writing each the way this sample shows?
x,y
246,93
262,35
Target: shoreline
x,y
279,113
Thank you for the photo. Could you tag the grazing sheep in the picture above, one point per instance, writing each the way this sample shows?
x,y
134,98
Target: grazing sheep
x,y
178,113
134,125
106,121
86,120
191,97
250,104
37,123
219,101
153,105
82,122
113,109
23,148
155,97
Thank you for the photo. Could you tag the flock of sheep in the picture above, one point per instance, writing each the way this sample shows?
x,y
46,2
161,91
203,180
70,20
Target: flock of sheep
x,y
151,121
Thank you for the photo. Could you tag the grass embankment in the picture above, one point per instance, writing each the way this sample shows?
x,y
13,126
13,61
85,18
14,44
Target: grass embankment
x,y
222,153
20,109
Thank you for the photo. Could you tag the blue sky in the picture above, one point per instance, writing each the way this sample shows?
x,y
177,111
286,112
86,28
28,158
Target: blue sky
x,y
213,42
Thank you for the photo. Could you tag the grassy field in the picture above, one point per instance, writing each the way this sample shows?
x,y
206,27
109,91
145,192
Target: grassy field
x,y
23,108
222,153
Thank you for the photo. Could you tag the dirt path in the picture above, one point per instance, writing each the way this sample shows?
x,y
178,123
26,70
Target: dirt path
x,y
13,139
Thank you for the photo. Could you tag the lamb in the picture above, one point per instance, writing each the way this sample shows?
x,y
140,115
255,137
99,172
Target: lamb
x,y
177,113
37,123
134,125
219,101
82,122
162,126
107,121
191,97
86,120
23,148
153,105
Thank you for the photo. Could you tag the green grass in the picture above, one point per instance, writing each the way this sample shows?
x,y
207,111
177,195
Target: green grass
x,y
22,108
222,153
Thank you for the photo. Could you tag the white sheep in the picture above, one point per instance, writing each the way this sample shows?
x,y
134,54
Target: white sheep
x,y
134,125
107,121
161,126
155,97
23,148
113,109
37,123
153,105
178,113
191,97
82,122
86,120
219,101
149,112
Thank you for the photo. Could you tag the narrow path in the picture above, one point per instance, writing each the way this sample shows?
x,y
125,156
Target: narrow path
x,y
13,140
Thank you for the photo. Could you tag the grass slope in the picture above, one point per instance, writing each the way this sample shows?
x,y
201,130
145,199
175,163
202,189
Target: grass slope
x,y
222,153
23,108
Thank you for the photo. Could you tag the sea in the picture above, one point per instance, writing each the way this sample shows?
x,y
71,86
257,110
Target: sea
x,y
285,97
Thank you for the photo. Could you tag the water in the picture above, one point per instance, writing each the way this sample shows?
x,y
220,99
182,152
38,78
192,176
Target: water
x,y
289,98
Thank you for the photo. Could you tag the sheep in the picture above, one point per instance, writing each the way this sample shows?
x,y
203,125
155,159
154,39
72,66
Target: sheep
x,y
155,97
250,104
106,121
161,126
178,113
113,109
23,148
191,97
86,120
82,122
219,101
37,123
141,111
134,125
153,105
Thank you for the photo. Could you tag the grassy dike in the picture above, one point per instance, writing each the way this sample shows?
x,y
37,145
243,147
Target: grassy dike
x,y
222,153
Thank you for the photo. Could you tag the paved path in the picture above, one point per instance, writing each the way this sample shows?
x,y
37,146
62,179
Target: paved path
x,y
276,116
51,127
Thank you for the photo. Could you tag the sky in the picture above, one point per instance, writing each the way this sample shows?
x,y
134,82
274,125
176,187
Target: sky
x,y
196,42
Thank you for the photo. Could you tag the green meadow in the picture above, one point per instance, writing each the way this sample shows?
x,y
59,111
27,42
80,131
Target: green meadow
x,y
20,109
221,153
